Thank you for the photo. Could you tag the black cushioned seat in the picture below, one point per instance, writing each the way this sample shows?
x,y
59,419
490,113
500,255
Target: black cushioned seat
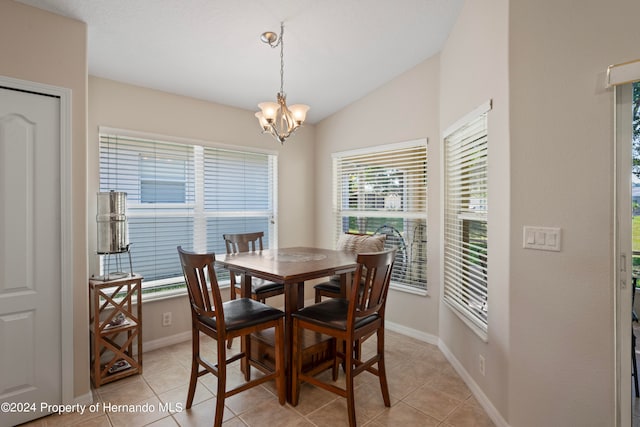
x,y
329,286
260,287
332,313
242,313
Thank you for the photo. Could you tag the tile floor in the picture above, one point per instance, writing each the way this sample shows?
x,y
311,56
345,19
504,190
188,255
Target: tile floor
x,y
425,391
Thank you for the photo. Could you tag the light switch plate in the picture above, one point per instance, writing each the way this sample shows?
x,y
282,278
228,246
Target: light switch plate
x,y
542,238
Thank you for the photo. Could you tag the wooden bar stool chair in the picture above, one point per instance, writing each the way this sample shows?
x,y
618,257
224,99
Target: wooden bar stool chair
x,y
223,321
260,289
354,243
248,242
349,321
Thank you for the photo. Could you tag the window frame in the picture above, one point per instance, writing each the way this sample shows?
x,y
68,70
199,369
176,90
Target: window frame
x,y
398,207
194,206
456,259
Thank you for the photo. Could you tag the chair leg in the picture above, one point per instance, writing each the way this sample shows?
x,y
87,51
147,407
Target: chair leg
x,y
344,351
358,349
280,379
382,372
195,354
245,347
351,405
232,296
336,360
222,381
296,362
318,297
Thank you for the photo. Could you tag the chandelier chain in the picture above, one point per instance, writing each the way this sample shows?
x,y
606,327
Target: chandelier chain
x,y
281,58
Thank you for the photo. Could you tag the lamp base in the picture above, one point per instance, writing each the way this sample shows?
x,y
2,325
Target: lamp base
x,y
118,274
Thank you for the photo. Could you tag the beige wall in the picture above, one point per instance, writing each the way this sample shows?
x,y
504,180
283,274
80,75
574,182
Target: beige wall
x,y
404,109
474,69
562,157
123,106
45,48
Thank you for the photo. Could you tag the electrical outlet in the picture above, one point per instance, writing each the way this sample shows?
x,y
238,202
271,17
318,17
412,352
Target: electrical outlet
x,y
481,364
166,318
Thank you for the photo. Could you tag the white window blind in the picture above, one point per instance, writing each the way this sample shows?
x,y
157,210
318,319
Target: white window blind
x,y
186,194
465,221
383,190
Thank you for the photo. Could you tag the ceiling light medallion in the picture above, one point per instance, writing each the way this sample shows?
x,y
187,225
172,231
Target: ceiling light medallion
x,y
275,118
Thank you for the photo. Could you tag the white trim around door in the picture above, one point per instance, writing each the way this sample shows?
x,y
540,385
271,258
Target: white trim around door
x,y
66,225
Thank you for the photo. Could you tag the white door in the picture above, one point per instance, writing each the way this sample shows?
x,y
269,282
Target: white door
x,y
30,258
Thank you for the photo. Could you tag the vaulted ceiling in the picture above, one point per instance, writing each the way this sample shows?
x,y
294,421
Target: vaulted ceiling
x,y
335,51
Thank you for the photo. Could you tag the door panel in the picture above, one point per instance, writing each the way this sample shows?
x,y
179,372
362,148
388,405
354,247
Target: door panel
x,y
17,329
17,192
30,246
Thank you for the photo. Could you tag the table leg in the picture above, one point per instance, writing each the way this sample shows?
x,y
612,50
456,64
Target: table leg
x,y
245,286
293,300
245,343
345,285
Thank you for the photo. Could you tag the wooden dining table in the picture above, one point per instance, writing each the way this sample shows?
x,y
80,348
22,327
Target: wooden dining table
x,y
291,267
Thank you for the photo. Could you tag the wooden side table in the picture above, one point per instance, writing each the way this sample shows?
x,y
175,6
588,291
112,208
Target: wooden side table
x,y
115,315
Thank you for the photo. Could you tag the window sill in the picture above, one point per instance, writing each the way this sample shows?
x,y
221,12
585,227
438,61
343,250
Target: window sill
x,y
163,295
409,289
170,294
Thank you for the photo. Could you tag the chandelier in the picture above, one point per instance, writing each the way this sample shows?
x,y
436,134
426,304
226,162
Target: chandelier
x,y
276,118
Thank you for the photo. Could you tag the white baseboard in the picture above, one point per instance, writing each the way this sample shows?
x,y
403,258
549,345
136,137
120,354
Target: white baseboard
x,y
482,398
166,341
413,333
85,399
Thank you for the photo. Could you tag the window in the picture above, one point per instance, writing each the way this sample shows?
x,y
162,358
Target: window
x,y
383,190
465,220
182,193
163,179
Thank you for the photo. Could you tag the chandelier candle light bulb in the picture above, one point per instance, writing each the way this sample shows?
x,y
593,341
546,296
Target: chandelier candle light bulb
x,y
275,118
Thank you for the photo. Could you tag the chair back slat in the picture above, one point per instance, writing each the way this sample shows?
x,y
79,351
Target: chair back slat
x,y
370,284
200,275
243,242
